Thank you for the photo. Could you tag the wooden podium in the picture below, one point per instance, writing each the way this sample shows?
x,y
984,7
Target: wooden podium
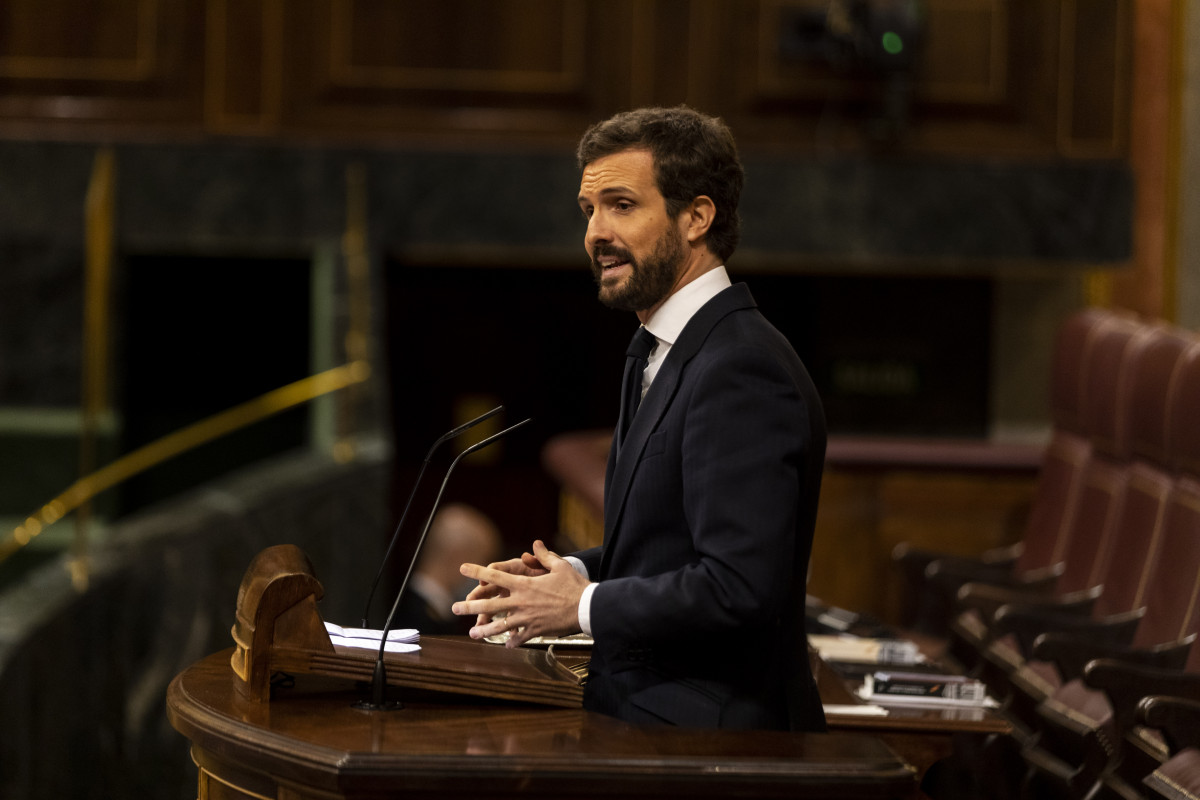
x,y
310,743
279,629
307,740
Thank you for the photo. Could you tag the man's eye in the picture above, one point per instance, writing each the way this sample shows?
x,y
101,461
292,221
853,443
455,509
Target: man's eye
x,y
623,205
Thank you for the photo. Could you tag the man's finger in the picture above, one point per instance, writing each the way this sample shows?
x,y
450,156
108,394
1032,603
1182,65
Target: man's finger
x,y
484,591
544,554
487,607
487,626
519,634
487,575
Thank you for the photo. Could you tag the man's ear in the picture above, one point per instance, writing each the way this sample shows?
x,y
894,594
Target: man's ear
x,y
699,218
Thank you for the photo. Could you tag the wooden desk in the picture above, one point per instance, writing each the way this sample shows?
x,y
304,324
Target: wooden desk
x,y
309,742
922,736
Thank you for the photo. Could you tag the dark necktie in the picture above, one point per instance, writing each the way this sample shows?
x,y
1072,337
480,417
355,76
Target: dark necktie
x,y
631,384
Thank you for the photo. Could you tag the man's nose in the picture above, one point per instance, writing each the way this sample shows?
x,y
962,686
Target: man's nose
x,y
598,232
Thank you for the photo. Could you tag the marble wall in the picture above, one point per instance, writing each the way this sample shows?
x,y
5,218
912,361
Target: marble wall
x,y
896,215
83,674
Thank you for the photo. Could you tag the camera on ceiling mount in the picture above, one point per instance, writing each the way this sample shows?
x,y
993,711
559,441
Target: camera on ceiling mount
x,y
880,36
874,42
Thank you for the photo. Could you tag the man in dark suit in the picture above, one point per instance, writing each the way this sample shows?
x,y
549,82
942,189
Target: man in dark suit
x,y
696,598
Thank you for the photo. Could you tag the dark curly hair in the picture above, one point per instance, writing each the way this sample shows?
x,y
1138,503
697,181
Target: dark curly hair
x,y
694,154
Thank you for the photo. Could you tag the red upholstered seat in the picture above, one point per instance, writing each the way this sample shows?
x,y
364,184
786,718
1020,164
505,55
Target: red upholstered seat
x,y
1081,733
1039,557
1099,516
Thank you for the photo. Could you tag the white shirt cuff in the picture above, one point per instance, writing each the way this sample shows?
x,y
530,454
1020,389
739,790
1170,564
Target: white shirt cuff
x,y
585,608
585,600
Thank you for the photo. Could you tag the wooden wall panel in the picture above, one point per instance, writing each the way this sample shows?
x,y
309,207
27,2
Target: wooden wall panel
x,y
57,40
1001,77
503,46
67,64
496,66
243,66
1094,77
1017,77
966,54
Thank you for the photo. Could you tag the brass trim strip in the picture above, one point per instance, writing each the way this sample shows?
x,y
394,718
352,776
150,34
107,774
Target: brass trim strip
x,y
181,441
1176,144
356,260
241,790
100,237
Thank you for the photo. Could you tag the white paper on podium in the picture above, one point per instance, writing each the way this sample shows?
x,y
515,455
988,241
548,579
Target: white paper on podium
x,y
403,640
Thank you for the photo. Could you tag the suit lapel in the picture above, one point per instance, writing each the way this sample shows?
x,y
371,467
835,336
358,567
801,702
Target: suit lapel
x,y
658,400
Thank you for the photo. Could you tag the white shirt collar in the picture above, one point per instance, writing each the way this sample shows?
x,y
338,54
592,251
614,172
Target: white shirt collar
x,y
669,320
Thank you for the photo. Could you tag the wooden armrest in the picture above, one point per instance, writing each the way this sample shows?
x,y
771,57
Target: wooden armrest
x,y
1074,727
1176,717
988,599
1006,555
1071,650
951,572
1126,684
1043,578
931,579
913,563
1075,740
1027,622
1002,558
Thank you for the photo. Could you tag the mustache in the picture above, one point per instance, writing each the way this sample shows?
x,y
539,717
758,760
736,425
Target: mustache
x,y
609,250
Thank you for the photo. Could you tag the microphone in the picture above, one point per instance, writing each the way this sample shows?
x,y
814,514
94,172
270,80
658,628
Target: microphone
x,y
379,677
424,465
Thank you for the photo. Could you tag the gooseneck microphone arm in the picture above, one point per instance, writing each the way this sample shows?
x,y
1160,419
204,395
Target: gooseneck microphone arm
x,y
424,465
379,678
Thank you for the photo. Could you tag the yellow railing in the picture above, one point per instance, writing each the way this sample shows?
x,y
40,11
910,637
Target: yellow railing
x,y
100,237
174,444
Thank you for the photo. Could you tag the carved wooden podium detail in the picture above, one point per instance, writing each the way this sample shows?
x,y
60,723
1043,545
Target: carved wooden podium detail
x,y
276,604
279,629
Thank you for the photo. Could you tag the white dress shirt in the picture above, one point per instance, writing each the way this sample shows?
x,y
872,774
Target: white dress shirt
x,y
666,324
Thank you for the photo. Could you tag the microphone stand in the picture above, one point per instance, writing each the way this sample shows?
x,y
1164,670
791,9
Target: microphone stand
x,y
378,702
424,465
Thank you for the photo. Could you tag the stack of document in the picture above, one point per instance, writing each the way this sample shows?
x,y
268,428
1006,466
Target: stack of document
x,y
863,650
924,688
403,640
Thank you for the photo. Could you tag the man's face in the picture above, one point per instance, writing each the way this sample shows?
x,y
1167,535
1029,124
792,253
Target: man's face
x,y
637,250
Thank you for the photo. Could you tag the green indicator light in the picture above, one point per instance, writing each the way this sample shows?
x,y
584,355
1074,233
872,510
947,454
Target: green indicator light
x,y
892,43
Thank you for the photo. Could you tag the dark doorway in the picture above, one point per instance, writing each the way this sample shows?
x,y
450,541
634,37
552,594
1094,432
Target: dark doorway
x,y
201,335
890,356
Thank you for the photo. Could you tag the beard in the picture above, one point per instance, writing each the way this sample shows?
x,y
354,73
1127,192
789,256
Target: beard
x,y
650,280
